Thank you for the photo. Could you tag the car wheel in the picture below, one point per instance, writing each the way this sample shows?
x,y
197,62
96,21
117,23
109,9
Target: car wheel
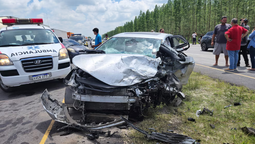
x,y
204,47
4,87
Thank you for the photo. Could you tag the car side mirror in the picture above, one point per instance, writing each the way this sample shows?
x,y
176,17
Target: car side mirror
x,y
61,39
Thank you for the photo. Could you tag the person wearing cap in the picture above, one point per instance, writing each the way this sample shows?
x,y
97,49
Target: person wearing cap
x,y
251,47
243,49
234,37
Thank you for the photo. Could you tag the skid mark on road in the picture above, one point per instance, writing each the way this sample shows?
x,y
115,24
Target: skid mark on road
x,y
46,134
226,71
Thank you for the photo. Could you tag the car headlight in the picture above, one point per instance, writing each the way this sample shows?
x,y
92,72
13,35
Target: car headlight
x,y
71,50
4,60
63,54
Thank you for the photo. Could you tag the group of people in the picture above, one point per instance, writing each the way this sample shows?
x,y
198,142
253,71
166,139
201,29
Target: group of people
x,y
232,40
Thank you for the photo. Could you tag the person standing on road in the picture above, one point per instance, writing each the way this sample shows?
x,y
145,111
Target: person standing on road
x,y
221,41
243,49
251,46
234,37
106,36
161,30
194,39
98,39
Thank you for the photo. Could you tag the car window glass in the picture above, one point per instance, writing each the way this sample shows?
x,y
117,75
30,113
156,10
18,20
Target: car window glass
x,y
130,45
20,37
167,42
177,42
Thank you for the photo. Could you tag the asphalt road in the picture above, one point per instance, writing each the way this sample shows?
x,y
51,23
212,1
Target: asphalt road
x,y
24,121
204,64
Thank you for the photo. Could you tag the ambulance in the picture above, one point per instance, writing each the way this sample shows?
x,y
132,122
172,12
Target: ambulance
x,y
30,53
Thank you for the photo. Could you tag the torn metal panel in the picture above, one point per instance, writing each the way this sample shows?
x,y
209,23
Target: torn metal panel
x,y
118,69
60,113
184,74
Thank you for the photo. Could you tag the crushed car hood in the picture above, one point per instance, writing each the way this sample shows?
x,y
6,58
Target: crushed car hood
x,y
118,69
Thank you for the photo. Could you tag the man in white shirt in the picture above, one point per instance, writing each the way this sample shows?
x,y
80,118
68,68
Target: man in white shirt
x,y
194,35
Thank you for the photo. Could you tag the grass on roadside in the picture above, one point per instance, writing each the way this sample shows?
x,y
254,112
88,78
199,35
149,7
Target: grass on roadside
x,y
204,92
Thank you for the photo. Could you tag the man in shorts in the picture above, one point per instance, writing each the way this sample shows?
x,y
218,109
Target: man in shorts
x,y
194,38
221,41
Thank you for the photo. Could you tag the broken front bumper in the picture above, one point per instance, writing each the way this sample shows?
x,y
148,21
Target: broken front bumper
x,y
59,112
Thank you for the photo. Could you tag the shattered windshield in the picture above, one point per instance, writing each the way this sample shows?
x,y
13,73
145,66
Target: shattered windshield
x,y
130,45
21,37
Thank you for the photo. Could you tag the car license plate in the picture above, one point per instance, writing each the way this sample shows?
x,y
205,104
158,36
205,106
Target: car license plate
x,y
40,76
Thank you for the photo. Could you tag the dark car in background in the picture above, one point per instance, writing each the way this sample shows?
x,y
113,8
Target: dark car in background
x,y
73,47
206,41
79,38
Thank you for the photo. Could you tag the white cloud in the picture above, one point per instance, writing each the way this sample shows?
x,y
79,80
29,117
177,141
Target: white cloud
x,y
79,16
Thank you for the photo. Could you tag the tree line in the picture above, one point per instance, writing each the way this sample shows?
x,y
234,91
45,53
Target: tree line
x,y
183,17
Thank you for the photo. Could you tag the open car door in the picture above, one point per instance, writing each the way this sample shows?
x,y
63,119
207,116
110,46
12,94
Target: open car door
x,y
179,43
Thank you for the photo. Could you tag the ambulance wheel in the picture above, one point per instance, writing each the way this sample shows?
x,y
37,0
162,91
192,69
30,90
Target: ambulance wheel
x,y
4,87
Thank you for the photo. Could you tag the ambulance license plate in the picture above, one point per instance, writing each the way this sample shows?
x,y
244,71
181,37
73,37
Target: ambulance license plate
x,y
40,76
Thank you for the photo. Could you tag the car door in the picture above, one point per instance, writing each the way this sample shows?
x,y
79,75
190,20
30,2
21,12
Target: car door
x,y
179,43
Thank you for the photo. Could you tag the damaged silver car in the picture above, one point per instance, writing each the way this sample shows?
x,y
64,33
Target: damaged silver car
x,y
124,76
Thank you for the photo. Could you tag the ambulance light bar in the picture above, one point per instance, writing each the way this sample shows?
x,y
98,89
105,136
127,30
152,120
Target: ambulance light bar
x,y
22,21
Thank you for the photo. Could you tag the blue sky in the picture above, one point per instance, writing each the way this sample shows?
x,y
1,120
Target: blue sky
x,y
79,16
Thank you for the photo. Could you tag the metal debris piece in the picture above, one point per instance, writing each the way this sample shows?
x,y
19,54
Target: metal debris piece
x,y
163,137
90,137
198,113
212,126
237,103
205,111
170,130
191,119
227,106
249,131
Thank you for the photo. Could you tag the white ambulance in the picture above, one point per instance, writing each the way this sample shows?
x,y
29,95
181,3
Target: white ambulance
x,y
29,53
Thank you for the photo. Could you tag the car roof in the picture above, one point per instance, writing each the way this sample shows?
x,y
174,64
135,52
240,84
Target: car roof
x,y
154,35
25,26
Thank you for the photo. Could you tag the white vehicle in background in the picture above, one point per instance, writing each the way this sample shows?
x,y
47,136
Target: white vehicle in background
x,y
29,53
60,33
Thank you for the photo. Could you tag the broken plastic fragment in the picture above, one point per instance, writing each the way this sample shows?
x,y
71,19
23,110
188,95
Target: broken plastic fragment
x,y
237,103
212,126
191,119
227,106
249,131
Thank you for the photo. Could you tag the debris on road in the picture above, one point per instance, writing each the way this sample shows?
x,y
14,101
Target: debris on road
x,y
227,106
191,119
212,126
248,131
237,104
163,137
205,111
